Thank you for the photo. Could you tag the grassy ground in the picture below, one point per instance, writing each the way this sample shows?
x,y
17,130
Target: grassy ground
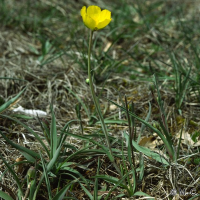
x,y
148,53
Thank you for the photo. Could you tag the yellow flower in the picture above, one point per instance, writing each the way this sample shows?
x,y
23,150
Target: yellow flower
x,y
94,18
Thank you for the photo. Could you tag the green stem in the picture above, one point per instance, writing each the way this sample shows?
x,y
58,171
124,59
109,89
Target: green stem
x,y
96,103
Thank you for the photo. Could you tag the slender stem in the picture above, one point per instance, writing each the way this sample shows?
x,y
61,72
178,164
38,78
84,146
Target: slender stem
x,y
96,103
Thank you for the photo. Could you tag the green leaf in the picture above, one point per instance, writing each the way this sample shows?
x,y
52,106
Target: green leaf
x,y
141,167
21,148
78,110
195,136
70,170
68,164
28,157
11,101
120,195
132,187
81,102
143,125
22,116
46,177
53,134
73,171
143,194
5,196
106,150
194,197
95,193
48,168
118,184
70,157
111,179
110,121
148,152
87,192
63,134
60,195
168,144
14,175
30,130
32,188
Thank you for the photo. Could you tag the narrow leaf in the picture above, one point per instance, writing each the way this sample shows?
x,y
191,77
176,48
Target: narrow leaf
x,y
148,152
87,192
167,143
53,134
21,148
60,195
143,194
11,101
110,179
46,177
5,196
14,175
30,130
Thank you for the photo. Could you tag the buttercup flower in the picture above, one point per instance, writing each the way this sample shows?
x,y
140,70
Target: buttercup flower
x,y
94,18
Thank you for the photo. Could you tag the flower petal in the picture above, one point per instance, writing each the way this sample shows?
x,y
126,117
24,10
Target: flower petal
x,y
94,12
83,11
105,14
89,22
103,23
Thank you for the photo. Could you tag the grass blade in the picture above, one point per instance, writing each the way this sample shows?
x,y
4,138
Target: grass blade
x,y
143,194
143,125
148,152
87,192
53,134
21,148
46,177
95,194
81,102
111,179
60,195
30,130
11,101
14,175
5,196
117,185
168,145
